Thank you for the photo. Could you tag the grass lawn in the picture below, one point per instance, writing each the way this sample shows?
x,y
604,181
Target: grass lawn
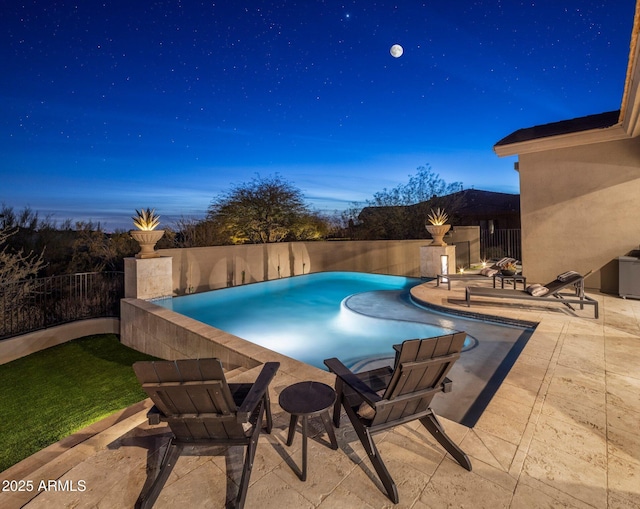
x,y
53,393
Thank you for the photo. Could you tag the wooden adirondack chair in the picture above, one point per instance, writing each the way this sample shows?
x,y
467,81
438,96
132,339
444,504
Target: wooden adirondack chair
x,y
383,398
201,408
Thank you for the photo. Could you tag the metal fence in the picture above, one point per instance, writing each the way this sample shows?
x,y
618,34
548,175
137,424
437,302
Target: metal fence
x,y
35,304
500,243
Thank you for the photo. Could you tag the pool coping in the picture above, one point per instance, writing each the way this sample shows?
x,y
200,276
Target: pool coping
x,y
483,317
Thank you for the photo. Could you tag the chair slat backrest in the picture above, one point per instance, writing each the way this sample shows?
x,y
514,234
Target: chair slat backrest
x,y
193,396
421,367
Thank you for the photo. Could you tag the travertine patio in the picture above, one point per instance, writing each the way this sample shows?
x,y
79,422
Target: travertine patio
x,y
562,431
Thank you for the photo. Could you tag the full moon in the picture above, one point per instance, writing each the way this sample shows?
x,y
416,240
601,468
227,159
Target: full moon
x,y
396,51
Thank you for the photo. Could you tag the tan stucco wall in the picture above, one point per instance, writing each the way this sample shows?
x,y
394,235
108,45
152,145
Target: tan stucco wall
x,y
19,346
579,210
208,268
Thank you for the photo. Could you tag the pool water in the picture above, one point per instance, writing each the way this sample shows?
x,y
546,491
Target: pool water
x,y
303,316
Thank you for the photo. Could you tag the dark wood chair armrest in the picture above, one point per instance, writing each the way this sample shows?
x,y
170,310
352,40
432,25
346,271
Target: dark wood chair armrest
x,y
352,380
257,391
154,415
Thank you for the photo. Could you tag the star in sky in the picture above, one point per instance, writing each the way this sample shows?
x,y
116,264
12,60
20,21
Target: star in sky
x,y
115,105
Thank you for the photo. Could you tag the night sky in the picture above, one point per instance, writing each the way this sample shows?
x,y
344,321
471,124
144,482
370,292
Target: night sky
x,y
110,106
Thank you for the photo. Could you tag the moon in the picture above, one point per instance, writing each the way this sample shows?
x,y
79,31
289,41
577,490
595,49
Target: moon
x,y
396,51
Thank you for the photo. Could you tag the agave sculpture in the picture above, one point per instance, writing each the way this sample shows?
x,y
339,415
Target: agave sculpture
x,y
146,220
437,217
437,227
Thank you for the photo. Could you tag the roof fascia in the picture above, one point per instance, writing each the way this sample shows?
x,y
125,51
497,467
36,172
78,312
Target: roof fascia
x,y
628,127
613,133
630,110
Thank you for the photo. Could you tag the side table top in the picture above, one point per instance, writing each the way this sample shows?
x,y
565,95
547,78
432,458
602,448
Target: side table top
x,y
307,398
513,276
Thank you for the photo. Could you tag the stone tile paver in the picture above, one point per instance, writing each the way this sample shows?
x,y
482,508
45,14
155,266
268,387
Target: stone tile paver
x,y
560,432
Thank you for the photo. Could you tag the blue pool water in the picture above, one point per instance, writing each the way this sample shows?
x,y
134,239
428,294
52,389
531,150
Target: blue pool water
x,y
303,316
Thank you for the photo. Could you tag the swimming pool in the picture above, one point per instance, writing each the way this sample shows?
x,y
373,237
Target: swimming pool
x,y
303,317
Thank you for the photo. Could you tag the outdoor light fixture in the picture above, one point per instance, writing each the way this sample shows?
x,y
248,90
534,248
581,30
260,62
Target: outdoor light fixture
x,y
444,265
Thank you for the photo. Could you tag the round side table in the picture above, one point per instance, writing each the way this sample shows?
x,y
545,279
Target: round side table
x,y
306,399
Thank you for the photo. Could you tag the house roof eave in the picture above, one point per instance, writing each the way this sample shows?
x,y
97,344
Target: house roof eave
x,y
590,129
630,109
612,133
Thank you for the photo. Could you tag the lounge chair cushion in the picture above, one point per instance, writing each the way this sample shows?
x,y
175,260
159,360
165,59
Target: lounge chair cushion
x,y
565,276
537,290
489,272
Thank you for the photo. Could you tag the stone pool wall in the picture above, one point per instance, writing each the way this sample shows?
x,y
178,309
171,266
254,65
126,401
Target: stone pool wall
x,y
163,333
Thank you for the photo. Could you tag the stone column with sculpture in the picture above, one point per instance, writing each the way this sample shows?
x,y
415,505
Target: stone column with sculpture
x,y
148,275
437,227
146,221
437,257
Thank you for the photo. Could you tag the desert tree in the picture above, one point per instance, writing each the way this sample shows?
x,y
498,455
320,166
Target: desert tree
x,y
424,185
311,226
17,265
17,271
391,213
194,232
263,210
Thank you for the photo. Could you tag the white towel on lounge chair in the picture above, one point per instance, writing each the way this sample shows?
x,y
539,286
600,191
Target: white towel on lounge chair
x,y
537,290
501,263
567,275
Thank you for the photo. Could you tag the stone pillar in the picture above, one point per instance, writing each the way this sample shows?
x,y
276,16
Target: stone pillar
x,y
431,260
148,278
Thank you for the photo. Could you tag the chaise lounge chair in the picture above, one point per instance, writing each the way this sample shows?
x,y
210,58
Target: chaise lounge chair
x,y
554,292
447,278
193,397
383,398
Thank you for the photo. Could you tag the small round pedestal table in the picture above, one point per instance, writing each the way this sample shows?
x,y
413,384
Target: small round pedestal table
x,y
306,399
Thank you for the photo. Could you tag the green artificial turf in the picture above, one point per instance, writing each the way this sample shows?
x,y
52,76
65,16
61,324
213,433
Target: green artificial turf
x,y
53,393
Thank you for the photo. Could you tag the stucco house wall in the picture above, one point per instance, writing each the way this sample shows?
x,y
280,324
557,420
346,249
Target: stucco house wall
x,y
579,210
580,187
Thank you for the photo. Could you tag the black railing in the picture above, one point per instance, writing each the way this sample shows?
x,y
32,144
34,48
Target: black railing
x,y
500,243
35,304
